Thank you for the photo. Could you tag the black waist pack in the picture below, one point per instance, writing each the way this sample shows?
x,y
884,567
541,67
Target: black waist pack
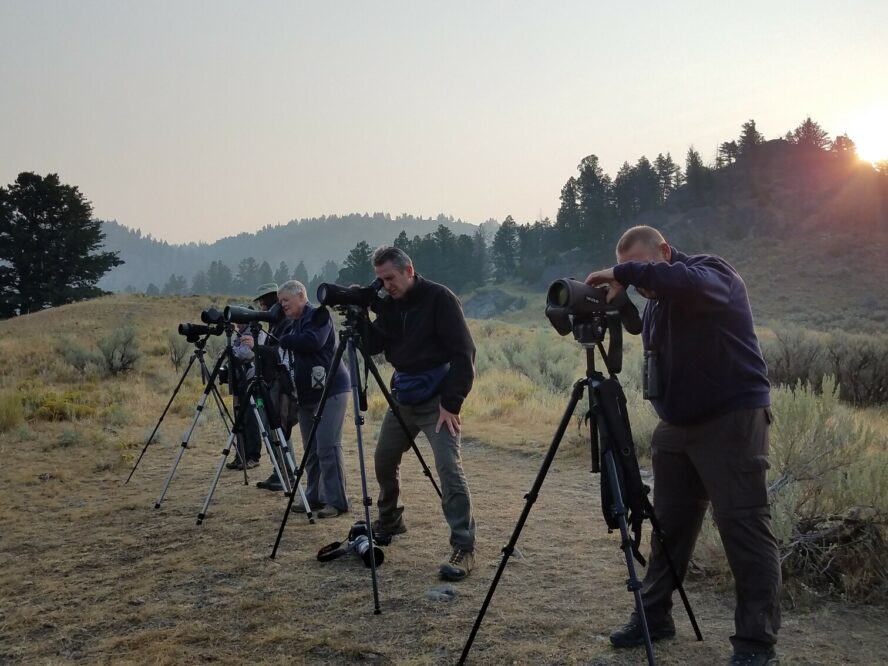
x,y
412,388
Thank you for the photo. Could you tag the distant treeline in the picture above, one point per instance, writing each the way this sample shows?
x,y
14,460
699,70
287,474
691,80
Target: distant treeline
x,y
594,209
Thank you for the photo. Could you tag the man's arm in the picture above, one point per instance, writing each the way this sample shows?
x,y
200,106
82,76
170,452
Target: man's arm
x,y
709,280
457,340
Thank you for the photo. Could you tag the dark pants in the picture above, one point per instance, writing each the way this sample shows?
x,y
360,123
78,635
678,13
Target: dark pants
x,y
723,461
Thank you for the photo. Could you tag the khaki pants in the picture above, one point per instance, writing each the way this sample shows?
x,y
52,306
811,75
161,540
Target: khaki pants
x,y
393,443
722,461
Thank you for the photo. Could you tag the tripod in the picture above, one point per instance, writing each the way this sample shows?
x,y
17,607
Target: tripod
x,y
624,497
227,356
196,356
273,437
351,339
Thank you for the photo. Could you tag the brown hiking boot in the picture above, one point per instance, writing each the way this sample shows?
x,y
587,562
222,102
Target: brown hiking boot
x,y
459,564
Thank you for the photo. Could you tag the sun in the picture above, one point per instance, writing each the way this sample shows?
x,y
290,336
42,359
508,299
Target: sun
x,y
868,128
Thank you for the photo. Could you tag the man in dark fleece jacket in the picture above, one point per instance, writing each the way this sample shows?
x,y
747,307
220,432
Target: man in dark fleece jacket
x,y
711,444
421,328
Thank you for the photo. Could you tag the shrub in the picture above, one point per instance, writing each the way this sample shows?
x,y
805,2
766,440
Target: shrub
x,y
11,411
80,358
120,350
859,362
179,349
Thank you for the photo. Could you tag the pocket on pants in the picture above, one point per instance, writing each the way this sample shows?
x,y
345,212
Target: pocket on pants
x,y
749,482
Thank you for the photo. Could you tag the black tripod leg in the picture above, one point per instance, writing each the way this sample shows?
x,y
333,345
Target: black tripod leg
x,y
531,497
658,533
162,416
316,420
359,421
368,361
633,584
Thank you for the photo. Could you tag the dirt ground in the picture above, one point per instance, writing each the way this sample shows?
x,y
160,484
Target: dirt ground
x,y
90,572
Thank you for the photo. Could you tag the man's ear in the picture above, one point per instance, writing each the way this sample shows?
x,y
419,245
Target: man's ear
x,y
665,251
410,270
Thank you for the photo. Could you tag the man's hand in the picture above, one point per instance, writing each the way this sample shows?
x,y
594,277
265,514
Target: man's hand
x,y
606,277
454,423
247,341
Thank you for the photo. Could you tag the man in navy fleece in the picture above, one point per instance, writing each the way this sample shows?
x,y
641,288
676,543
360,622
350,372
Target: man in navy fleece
x,y
711,444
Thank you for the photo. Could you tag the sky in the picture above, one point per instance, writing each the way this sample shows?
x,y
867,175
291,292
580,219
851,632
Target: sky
x,y
198,120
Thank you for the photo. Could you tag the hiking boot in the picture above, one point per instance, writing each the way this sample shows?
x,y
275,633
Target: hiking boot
x,y
459,565
234,464
383,534
299,507
329,511
271,483
766,657
631,634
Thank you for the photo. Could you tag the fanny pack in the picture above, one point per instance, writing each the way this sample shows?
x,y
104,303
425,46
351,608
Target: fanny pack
x,y
412,388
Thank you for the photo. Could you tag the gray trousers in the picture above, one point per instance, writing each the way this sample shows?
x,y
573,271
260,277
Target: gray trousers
x,y
723,461
393,443
325,466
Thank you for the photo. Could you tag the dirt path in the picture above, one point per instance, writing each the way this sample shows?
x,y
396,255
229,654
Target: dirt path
x,y
91,573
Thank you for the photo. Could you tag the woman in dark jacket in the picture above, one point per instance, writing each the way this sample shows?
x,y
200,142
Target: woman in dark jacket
x,y
310,342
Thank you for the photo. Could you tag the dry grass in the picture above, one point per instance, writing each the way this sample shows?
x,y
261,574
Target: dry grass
x,y
91,573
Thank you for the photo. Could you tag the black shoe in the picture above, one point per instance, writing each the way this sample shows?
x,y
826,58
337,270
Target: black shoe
x,y
271,483
299,507
383,534
757,658
631,634
234,464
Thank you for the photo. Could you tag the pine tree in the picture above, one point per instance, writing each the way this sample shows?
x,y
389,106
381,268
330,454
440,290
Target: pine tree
x,y
282,274
810,134
844,147
696,173
568,221
200,284
666,170
480,262
219,278
594,192
623,193
247,276
49,245
152,290
264,275
505,249
750,138
647,187
300,273
358,267
402,242
176,285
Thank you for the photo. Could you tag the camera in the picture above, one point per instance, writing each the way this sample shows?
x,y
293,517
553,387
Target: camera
x,y
330,294
236,314
358,541
194,331
212,316
570,302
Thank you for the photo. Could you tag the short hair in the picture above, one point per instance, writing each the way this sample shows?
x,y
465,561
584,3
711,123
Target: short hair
x,y
639,234
294,287
386,253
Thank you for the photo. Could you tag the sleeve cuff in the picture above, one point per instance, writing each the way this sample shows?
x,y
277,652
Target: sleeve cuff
x,y
623,274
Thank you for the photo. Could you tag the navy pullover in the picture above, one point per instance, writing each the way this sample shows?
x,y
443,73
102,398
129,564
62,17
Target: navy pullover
x,y
701,327
312,341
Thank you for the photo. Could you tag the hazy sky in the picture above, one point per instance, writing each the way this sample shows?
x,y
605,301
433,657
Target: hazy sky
x,y
196,120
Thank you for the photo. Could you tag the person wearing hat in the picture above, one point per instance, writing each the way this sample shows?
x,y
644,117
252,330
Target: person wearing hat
x,y
243,350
